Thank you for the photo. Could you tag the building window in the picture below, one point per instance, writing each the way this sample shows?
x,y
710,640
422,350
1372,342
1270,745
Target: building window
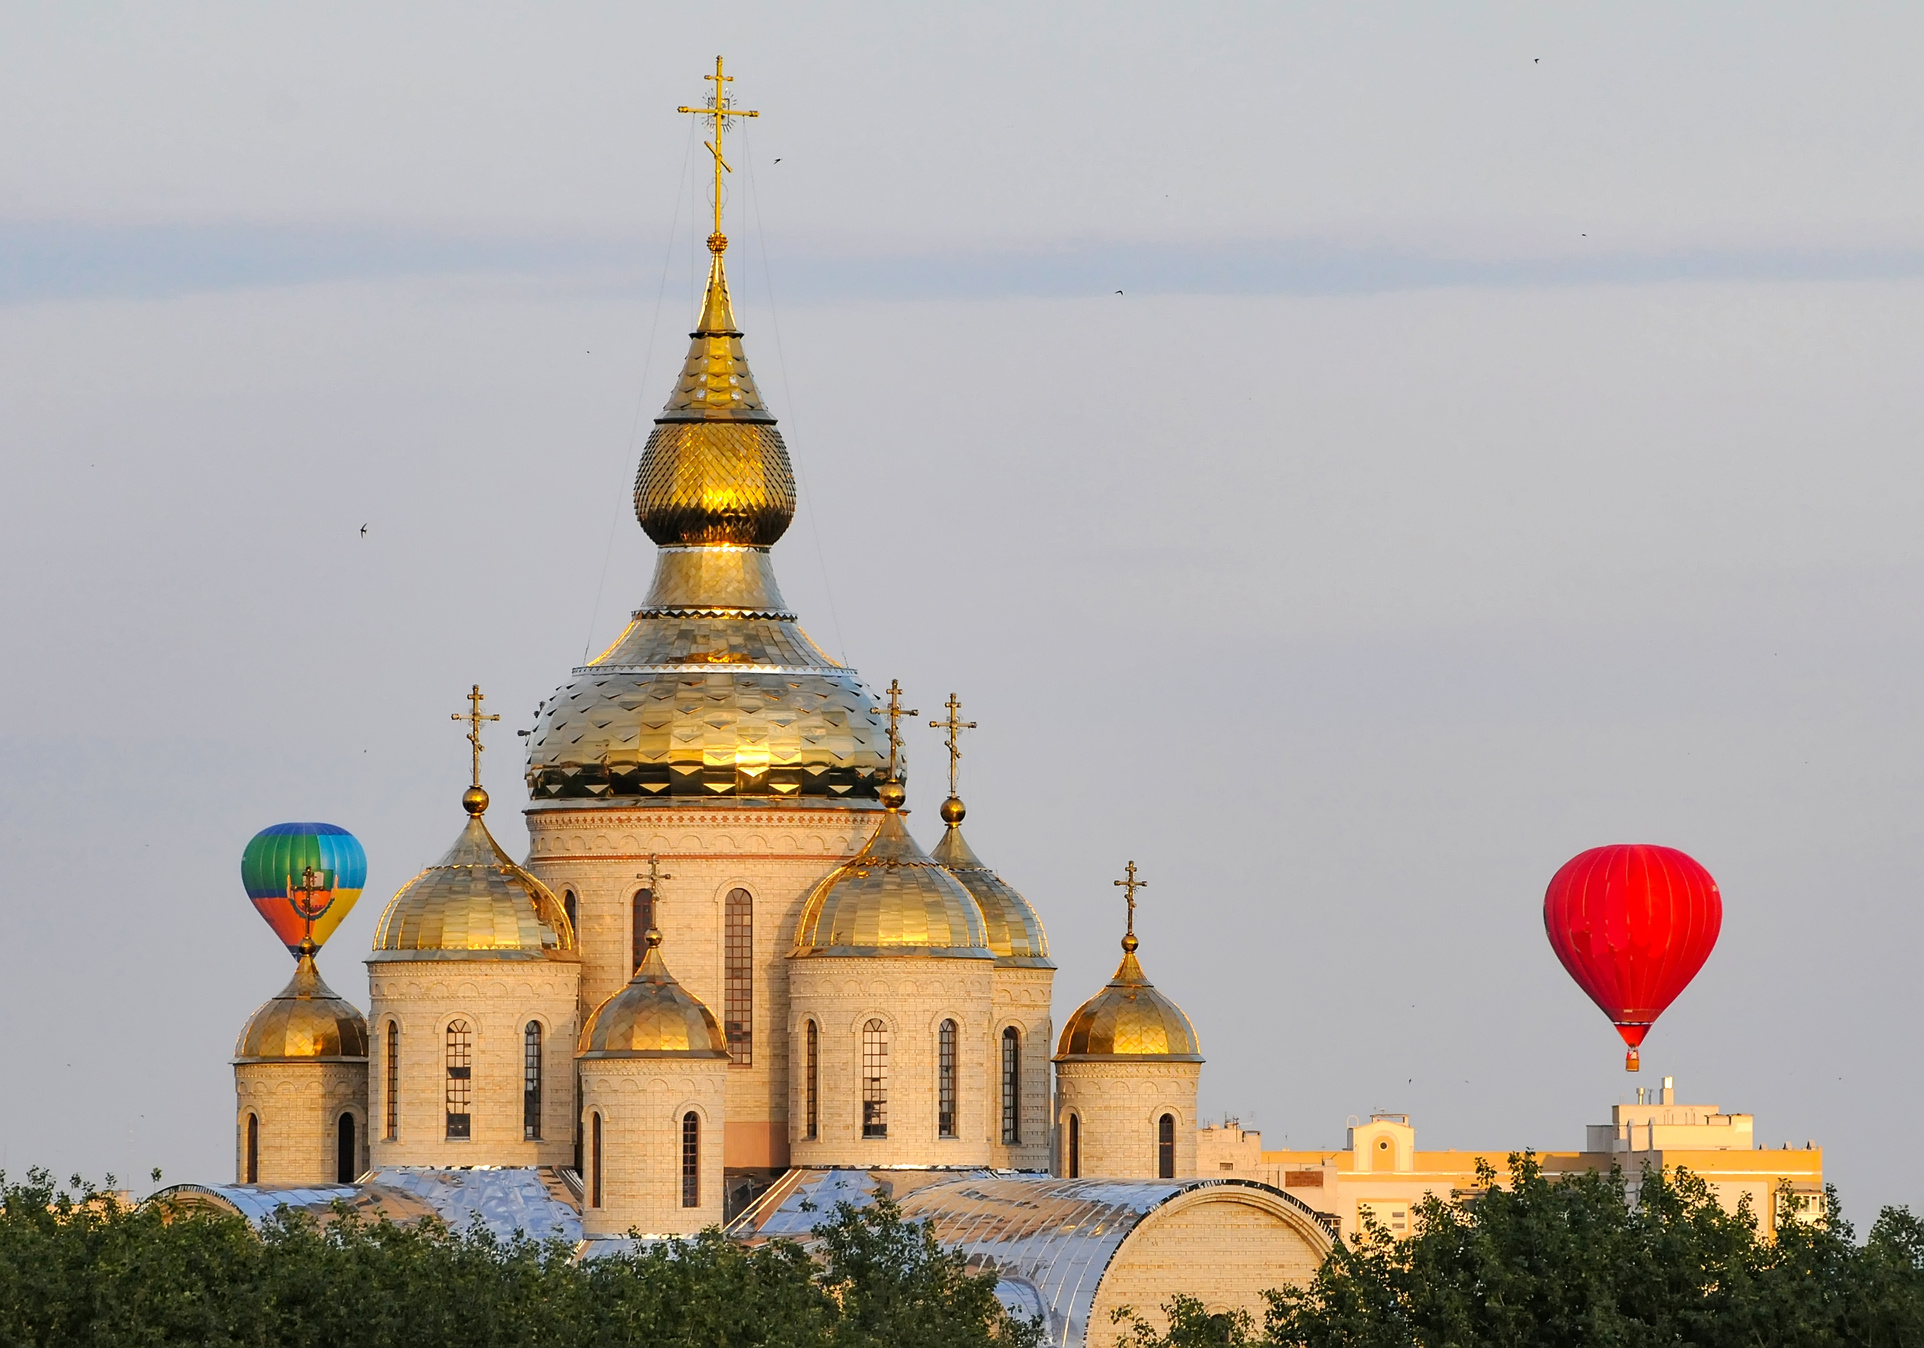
x,y
594,1157
644,922
945,1080
460,1077
1011,1087
738,990
1075,1146
690,1160
253,1160
568,907
811,1081
875,1079
531,1082
345,1168
391,1089
1166,1147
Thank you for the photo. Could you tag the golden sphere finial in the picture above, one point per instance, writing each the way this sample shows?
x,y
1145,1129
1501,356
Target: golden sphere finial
x,y
718,243
652,937
953,811
891,794
1130,943
475,800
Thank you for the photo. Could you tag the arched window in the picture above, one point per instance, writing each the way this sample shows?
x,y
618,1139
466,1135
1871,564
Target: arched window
x,y
460,1077
644,921
391,1087
594,1161
253,1157
691,1160
811,1081
875,1079
568,907
345,1168
531,1082
738,976
945,1080
1166,1147
1011,1087
1075,1146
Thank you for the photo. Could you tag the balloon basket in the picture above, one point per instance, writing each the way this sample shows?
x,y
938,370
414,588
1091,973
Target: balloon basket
x,y
1631,1062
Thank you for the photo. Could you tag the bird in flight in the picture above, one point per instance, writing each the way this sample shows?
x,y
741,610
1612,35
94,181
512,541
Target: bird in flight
x,y
778,161
363,531
1118,292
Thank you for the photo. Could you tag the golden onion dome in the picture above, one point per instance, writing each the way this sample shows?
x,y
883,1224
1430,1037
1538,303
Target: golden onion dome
x,y
474,903
1014,929
1129,1019
713,690
305,1022
891,898
653,1017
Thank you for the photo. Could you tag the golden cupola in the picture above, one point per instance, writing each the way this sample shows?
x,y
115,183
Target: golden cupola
x,y
653,1017
1129,1018
305,1022
891,898
474,903
713,690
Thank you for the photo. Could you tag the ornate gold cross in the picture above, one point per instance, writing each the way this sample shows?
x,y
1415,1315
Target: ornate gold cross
x,y
952,725
720,109
1132,885
474,717
895,714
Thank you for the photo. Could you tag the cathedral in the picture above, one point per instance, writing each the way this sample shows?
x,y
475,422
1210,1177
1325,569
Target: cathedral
x,y
728,984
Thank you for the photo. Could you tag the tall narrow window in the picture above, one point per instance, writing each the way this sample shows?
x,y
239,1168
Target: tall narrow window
x,y
875,1079
568,907
460,1077
811,1081
1011,1087
1166,1147
738,992
945,1080
531,1082
594,1158
644,920
691,1160
253,1168
1075,1146
391,1087
345,1168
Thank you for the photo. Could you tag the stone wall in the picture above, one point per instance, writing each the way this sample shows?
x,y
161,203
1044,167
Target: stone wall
x,y
1120,1102
642,1103
1021,999
299,1105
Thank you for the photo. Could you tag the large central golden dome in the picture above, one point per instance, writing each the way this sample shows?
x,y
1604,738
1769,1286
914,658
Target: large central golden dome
x,y
713,690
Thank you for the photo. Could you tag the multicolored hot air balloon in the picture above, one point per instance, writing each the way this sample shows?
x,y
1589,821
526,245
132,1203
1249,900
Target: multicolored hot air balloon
x,y
294,872
1632,924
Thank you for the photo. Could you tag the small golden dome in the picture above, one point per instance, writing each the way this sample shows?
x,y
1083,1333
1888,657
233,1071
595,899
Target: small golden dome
x,y
306,1021
891,898
653,1017
1014,929
474,903
1129,1019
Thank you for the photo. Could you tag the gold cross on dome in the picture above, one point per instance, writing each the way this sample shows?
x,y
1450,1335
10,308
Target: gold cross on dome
x,y
474,717
895,713
952,725
1132,885
720,108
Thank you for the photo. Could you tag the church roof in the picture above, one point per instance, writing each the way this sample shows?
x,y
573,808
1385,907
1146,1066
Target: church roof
x,y
891,898
538,1203
653,1016
474,903
1014,929
305,1021
1129,1019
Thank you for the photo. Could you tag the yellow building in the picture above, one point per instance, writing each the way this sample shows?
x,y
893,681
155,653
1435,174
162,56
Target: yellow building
x,y
1381,1172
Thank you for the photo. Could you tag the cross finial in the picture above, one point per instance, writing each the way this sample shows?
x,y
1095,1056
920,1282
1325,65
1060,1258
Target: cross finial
x,y
654,877
1131,884
720,108
954,724
311,898
474,717
895,712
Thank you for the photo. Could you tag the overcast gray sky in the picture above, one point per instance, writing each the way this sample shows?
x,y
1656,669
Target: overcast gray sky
x,y
1504,444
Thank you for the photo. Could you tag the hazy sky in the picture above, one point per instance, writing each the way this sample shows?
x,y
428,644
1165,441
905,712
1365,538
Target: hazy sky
x,y
1505,443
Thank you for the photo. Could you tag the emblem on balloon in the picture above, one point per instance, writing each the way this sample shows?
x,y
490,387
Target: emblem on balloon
x,y
303,879
1633,924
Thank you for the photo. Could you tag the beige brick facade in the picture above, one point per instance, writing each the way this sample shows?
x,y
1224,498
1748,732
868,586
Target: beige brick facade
x,y
634,1181
1021,1001
298,1107
1119,1105
497,999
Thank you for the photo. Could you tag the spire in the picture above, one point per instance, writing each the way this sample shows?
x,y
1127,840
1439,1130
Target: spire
x,y
1130,970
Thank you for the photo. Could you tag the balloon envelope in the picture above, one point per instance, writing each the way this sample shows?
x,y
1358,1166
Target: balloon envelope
x,y
274,861
1632,923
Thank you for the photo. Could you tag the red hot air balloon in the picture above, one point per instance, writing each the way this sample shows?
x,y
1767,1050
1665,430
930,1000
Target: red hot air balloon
x,y
1632,924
